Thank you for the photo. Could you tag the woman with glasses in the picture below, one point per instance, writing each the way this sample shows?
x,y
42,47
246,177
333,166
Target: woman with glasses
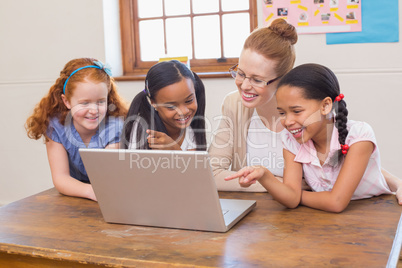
x,y
249,131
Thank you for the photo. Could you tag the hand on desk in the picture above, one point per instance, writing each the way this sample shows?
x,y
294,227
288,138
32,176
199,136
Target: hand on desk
x,y
394,184
248,175
91,194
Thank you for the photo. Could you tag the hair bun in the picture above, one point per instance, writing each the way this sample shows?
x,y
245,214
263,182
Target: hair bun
x,y
284,29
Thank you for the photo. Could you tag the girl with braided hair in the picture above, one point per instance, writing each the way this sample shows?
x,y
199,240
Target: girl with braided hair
x,y
338,158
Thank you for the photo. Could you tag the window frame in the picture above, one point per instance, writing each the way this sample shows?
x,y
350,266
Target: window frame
x,y
133,69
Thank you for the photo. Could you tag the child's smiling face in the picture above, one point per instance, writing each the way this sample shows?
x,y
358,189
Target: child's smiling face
x,y
303,118
176,104
88,105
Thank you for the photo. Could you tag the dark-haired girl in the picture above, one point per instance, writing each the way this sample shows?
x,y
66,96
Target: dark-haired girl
x,y
338,158
169,113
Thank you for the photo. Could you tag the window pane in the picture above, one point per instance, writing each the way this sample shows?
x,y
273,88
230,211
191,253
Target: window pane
x,y
236,28
149,8
162,34
207,37
152,45
205,6
177,7
233,5
178,37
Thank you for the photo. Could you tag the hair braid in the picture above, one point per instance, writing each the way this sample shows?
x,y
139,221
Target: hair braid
x,y
341,120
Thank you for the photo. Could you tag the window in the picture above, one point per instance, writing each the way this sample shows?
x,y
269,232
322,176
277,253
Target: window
x,y
210,33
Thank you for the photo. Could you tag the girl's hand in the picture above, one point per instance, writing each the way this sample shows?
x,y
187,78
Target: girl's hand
x,y
91,193
161,141
248,175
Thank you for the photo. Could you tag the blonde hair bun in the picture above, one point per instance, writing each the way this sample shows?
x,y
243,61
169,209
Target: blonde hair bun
x,y
282,28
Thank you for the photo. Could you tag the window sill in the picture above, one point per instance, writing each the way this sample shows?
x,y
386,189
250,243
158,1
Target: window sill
x,y
139,77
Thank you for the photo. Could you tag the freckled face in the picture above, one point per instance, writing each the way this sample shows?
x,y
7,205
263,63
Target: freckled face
x,y
301,117
88,105
176,105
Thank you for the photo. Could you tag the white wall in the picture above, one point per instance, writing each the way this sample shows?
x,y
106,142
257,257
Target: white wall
x,y
38,37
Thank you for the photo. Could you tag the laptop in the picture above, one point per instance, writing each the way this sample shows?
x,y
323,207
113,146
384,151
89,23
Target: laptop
x,y
171,189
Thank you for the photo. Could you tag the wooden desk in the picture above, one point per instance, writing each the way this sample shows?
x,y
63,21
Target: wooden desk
x,y
49,229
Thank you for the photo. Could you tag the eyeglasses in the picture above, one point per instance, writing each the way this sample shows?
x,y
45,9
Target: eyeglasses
x,y
240,76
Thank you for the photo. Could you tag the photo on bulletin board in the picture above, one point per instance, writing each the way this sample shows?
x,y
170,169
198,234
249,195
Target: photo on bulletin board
x,y
316,16
380,24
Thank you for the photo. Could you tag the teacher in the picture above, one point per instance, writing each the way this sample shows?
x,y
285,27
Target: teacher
x,y
249,130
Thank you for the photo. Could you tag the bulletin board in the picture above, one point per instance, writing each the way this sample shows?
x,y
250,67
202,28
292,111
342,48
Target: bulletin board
x,y
316,16
380,24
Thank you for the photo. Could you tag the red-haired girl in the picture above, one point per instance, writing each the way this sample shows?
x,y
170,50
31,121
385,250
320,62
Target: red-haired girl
x,y
82,110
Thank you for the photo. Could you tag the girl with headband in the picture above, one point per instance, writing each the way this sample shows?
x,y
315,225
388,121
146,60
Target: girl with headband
x,y
338,158
169,113
82,110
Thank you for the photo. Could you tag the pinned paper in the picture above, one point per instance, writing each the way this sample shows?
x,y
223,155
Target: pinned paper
x,y
302,7
338,17
316,16
183,60
269,17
